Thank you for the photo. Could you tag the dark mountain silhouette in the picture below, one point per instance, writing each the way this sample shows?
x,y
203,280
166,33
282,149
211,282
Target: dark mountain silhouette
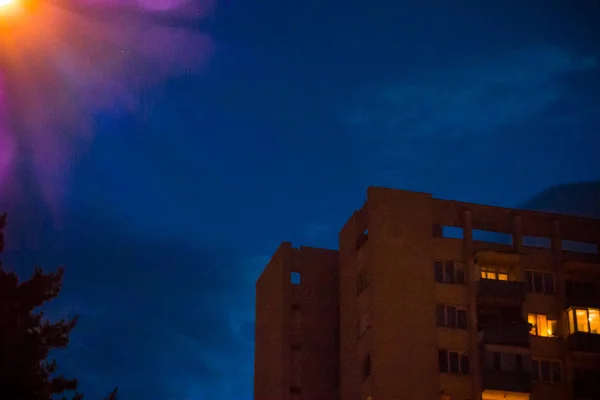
x,y
581,199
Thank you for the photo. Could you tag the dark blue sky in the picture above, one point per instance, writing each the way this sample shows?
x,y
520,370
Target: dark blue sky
x,y
171,216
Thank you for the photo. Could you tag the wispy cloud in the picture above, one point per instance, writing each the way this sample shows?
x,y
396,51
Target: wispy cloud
x,y
459,106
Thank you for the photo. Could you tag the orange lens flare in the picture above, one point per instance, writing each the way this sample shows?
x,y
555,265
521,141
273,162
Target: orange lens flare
x,y
6,3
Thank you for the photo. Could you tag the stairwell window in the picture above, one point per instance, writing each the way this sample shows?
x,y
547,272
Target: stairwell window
x,y
542,325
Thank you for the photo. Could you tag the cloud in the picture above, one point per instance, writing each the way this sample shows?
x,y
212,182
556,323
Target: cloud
x,y
394,123
161,320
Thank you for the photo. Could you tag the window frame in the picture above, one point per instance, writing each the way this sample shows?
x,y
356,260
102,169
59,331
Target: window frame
x,y
572,320
485,272
535,326
537,370
457,276
544,275
456,310
462,358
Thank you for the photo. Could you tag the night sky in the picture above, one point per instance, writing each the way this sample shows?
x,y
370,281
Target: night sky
x,y
166,213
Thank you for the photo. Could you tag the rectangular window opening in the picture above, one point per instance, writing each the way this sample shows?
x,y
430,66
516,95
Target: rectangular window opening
x,y
542,325
584,320
449,272
537,241
452,232
296,278
579,247
366,367
481,235
540,282
362,239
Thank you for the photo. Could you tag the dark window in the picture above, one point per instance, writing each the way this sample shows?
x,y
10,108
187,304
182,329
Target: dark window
x,y
519,363
449,276
295,390
548,283
438,269
362,281
462,319
440,315
538,282
296,347
450,317
362,239
454,362
448,272
295,307
497,361
535,370
529,280
437,231
465,366
460,275
451,314
545,371
366,367
556,372
443,360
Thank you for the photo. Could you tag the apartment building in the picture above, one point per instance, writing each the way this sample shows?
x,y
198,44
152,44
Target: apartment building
x,y
434,299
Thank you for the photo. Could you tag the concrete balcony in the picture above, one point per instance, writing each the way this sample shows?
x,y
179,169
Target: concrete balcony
x,y
584,342
501,292
582,299
587,390
509,382
511,335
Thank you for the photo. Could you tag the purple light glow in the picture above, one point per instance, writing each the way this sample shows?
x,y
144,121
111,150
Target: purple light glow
x,y
60,68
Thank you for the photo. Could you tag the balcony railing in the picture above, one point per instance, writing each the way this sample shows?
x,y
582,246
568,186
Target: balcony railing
x,y
509,335
501,291
518,382
586,390
584,342
582,299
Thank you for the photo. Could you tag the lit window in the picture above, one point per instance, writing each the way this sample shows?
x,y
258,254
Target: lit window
x,y
487,273
584,320
594,318
571,316
542,325
581,320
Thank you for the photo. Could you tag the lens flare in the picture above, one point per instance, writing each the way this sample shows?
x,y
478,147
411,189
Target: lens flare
x,y
65,62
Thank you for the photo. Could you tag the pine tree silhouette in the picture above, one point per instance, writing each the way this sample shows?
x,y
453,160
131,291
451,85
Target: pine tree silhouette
x,y
26,338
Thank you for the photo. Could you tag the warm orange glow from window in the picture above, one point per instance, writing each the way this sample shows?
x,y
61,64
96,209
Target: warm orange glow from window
x,y
6,3
542,325
491,274
594,318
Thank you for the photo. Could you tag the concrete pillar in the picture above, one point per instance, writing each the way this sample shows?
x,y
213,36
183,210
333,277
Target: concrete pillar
x,y
472,279
518,233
